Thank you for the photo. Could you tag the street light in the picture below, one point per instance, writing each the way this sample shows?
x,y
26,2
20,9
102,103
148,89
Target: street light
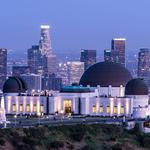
x,y
62,112
15,116
39,115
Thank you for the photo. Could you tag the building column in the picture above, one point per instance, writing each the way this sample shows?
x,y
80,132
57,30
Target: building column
x,y
24,104
118,107
38,106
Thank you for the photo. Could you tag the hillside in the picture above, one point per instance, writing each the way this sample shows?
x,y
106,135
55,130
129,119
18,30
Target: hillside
x,y
78,137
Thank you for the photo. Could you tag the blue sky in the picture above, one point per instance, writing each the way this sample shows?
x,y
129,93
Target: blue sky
x,y
75,24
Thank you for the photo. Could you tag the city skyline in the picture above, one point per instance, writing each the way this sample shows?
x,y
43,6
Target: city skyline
x,y
73,23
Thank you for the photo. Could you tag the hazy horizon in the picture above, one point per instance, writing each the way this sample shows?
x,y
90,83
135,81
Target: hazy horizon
x,y
75,24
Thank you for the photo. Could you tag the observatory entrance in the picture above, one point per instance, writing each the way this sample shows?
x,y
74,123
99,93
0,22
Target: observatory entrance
x,y
68,106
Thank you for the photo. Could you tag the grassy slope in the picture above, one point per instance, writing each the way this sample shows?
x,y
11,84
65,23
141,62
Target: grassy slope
x,y
79,137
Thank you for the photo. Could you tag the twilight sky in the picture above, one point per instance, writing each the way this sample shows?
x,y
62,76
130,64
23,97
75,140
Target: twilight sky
x,y
75,24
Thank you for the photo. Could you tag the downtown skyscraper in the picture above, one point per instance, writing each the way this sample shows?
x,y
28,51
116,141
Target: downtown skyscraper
x,y
35,60
46,50
118,50
45,41
41,59
88,57
144,64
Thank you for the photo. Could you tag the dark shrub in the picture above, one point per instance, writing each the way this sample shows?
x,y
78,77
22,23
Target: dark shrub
x,y
113,138
14,142
32,140
87,147
88,138
77,133
55,144
112,130
2,142
25,147
117,147
136,130
69,145
146,141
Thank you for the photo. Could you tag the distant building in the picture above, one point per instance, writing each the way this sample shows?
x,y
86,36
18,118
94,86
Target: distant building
x,y
88,57
51,64
3,66
63,73
18,70
50,61
107,55
118,50
34,82
144,64
45,41
51,82
75,69
35,60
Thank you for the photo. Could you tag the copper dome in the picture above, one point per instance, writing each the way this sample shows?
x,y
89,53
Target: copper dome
x,y
105,74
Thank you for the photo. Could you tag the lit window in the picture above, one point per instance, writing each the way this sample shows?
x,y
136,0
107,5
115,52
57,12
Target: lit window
x,y
115,109
94,109
28,108
101,109
122,110
34,108
14,107
107,109
21,108
41,108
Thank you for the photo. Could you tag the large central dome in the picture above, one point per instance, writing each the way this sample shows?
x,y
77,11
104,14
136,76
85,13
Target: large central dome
x,y
105,74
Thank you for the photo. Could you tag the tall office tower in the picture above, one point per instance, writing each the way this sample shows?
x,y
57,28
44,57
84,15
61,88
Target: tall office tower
x,y
34,82
144,64
88,57
118,50
35,60
45,41
46,50
3,66
18,70
107,55
75,71
51,64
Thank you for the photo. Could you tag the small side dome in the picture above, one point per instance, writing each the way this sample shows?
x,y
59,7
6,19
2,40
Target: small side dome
x,y
14,85
136,87
24,84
